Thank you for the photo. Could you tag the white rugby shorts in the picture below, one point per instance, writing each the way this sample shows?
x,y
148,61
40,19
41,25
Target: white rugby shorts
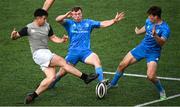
x,y
43,57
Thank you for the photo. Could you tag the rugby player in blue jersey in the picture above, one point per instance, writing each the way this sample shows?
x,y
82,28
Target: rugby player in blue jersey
x,y
79,32
156,34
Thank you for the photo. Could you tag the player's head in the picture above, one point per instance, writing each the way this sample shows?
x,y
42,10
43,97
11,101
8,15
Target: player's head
x,y
40,16
77,13
154,13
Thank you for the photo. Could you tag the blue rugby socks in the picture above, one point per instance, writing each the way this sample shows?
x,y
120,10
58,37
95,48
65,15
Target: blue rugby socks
x,y
99,71
159,86
116,78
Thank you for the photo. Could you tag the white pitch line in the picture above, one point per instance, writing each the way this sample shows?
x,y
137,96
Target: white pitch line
x,y
155,101
144,76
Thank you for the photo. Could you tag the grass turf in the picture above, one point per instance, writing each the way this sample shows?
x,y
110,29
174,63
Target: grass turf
x,y
19,75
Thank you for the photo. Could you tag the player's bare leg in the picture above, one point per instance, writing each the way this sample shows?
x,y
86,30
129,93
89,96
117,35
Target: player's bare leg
x,y
59,61
50,77
151,75
59,75
128,60
47,4
94,60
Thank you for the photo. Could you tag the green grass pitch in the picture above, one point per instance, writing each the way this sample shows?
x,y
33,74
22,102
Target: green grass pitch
x,y
20,75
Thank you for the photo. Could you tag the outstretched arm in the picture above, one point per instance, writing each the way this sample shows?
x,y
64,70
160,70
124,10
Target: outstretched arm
x,y
61,18
47,4
56,39
118,17
140,31
15,35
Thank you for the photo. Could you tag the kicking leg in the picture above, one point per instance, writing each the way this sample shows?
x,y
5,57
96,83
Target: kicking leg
x,y
59,61
71,59
128,60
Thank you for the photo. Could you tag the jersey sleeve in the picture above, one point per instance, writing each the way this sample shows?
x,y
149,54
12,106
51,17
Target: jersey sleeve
x,y
66,23
165,33
147,22
23,32
50,31
95,24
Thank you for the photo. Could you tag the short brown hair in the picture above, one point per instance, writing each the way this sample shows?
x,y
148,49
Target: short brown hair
x,y
155,11
77,8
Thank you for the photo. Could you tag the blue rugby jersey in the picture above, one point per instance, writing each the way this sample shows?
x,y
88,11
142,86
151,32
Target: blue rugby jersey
x,y
79,33
162,30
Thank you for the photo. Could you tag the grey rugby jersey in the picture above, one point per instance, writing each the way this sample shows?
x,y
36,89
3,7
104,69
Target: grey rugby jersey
x,y
38,36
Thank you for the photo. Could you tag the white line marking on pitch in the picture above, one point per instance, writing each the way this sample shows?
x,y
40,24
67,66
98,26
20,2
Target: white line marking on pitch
x,y
144,76
155,101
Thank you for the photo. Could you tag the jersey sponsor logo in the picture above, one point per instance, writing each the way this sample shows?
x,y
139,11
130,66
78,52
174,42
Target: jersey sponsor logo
x,y
73,31
46,29
33,30
86,25
78,29
74,26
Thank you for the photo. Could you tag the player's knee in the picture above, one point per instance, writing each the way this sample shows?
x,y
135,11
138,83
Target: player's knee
x,y
96,61
122,66
65,66
61,62
59,59
56,60
97,64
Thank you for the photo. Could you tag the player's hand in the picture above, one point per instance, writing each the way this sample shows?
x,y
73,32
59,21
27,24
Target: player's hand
x,y
14,34
136,30
154,31
65,38
69,14
119,16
